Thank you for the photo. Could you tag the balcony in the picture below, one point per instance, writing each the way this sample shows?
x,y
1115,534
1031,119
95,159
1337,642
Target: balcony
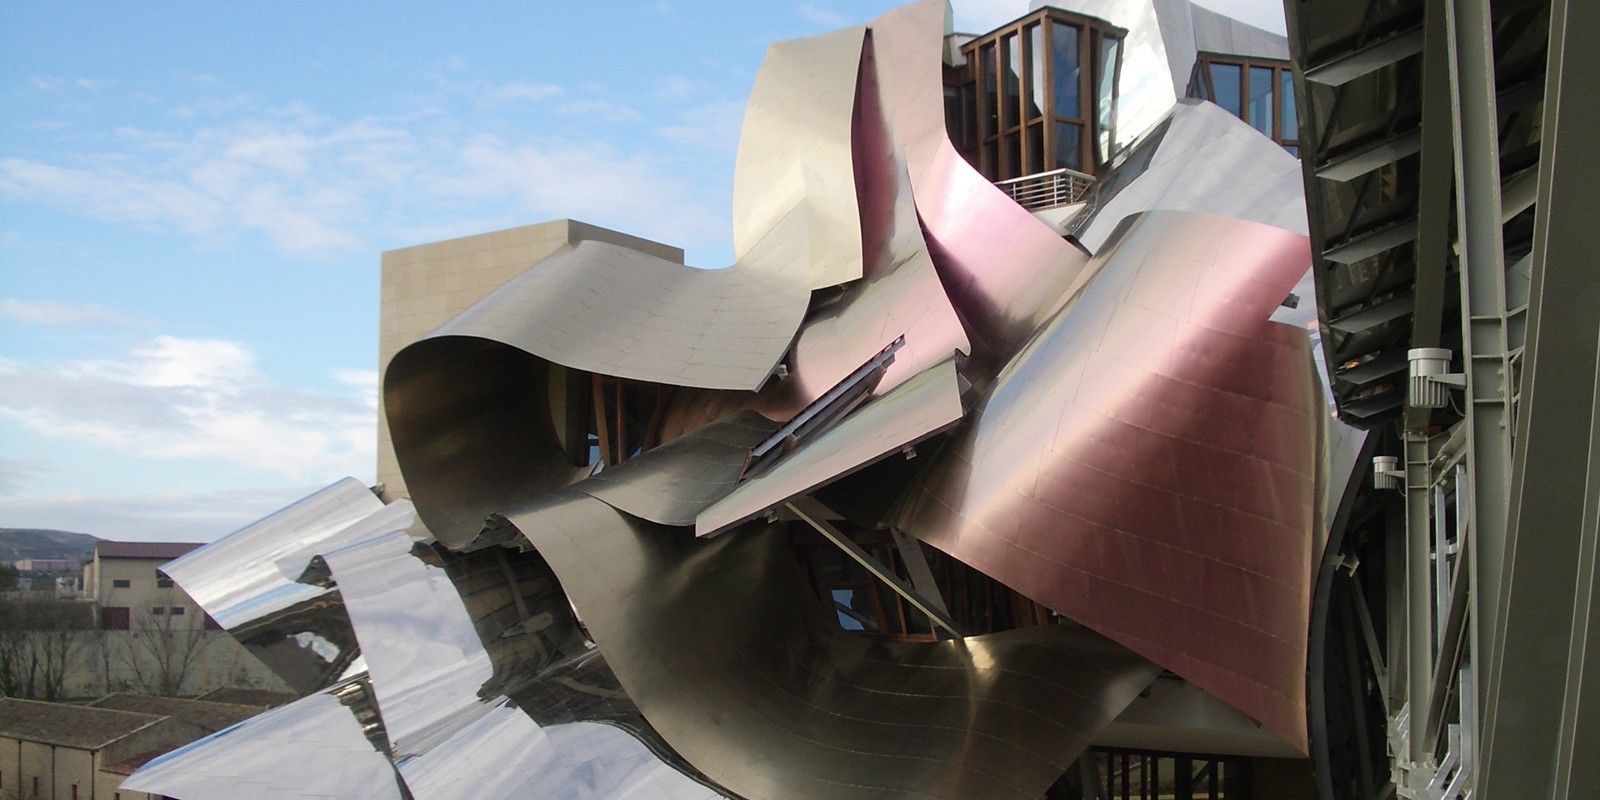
x,y
1042,190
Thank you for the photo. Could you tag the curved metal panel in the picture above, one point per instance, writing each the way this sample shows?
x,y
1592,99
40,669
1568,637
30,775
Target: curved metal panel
x,y
673,483
1005,271
732,659
313,747
919,408
247,582
604,308
486,684
1207,161
794,203
1148,464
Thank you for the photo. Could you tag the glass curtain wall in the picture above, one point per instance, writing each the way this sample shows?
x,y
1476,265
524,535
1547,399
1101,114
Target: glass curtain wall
x,y
1038,94
1258,91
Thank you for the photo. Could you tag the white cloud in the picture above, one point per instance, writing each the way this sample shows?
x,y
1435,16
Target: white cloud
x,y
15,474
713,126
519,92
50,312
982,16
314,186
175,398
822,15
175,516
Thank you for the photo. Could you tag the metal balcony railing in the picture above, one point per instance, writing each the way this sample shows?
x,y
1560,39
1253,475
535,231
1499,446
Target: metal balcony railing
x,y
1058,187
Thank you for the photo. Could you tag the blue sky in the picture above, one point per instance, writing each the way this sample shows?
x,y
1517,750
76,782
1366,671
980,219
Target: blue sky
x,y
194,196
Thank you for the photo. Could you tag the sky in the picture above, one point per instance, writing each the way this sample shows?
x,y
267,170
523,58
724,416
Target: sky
x,y
194,197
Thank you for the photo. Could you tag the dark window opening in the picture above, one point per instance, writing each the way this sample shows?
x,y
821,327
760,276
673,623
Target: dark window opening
x,y
114,618
162,581
121,583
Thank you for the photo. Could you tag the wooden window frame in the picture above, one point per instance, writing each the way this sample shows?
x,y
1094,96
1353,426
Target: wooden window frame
x,y
1200,80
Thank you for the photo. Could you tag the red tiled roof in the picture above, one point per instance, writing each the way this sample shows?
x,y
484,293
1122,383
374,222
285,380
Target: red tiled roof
x,y
166,551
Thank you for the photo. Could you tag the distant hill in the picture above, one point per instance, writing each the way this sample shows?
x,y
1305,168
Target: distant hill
x,y
18,543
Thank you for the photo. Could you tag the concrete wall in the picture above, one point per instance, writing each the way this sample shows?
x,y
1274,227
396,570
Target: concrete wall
x,y
142,595
424,286
111,661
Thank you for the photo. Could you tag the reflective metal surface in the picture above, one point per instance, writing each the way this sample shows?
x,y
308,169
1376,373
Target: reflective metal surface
x,y
1146,455
1147,466
248,582
487,685
917,409
313,747
732,659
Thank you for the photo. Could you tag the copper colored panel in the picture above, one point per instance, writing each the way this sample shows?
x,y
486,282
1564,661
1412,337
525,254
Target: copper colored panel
x,y
726,650
1148,464
1005,271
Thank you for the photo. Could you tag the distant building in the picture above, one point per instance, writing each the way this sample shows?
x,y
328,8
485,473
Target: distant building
x,y
127,584
64,751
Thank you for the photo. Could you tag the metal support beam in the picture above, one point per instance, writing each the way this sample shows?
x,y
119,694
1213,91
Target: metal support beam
x,y
1541,702
917,567
814,514
1419,601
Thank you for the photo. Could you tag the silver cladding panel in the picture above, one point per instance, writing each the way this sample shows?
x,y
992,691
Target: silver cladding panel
x,y
229,577
313,747
794,197
247,582
613,310
734,661
673,483
919,408
1212,162
454,732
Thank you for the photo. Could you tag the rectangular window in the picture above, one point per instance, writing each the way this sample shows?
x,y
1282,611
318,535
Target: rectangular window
x,y
121,583
988,75
1064,58
177,611
114,618
1291,120
1011,59
1069,146
1225,79
162,581
1107,101
1036,85
158,610
1261,99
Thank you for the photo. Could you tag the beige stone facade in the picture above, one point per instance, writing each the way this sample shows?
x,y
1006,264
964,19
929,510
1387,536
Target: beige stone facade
x,y
424,286
49,750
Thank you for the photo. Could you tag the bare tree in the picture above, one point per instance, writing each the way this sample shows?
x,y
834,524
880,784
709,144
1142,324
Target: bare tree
x,y
40,638
162,649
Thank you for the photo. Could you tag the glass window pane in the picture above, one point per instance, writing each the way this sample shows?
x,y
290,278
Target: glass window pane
x,y
991,158
1291,120
1013,156
1069,146
1064,57
1225,82
1261,99
1035,148
1108,98
1036,94
1293,151
1011,83
988,73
